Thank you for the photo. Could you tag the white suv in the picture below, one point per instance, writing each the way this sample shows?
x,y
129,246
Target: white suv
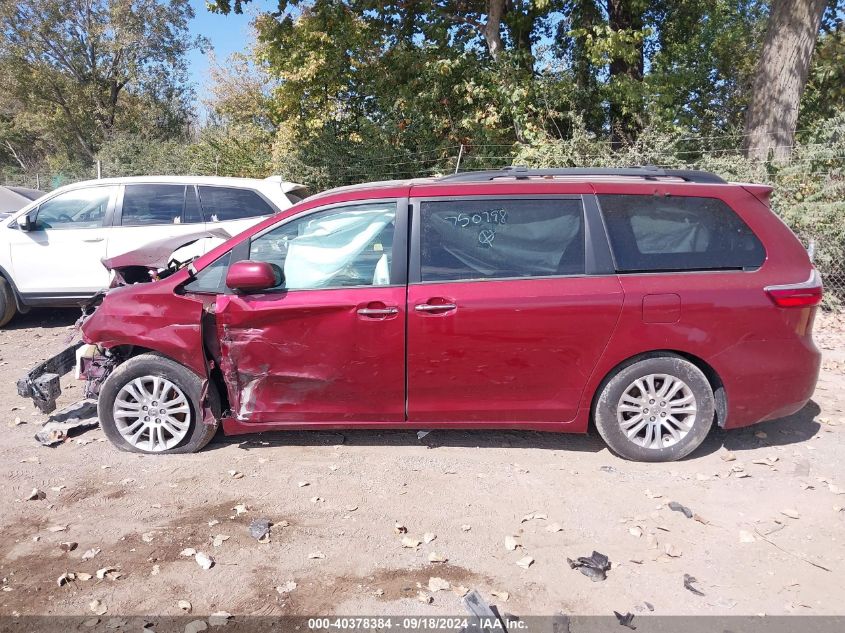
x,y
51,250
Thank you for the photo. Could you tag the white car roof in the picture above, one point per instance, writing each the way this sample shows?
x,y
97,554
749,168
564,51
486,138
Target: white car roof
x,y
257,183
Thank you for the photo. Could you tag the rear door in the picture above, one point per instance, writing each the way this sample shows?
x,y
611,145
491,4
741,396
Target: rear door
x,y
504,322
328,345
152,211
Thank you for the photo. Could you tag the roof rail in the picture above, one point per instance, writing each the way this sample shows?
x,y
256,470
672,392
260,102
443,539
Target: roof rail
x,y
648,172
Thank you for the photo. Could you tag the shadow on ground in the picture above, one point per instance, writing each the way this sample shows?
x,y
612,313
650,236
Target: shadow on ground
x,y
44,317
794,429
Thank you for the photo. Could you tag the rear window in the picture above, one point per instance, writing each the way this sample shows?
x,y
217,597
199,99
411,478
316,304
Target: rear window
x,y
152,204
220,204
496,239
668,233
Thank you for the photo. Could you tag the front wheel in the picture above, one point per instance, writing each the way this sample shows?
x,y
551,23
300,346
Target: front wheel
x,y
8,307
655,409
151,404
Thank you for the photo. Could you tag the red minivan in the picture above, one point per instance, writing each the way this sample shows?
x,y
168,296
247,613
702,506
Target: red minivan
x,y
652,303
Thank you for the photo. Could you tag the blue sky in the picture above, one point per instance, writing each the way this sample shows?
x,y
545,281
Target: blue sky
x,y
226,33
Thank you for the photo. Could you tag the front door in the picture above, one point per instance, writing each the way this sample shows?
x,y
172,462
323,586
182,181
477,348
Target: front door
x,y
61,255
328,345
504,327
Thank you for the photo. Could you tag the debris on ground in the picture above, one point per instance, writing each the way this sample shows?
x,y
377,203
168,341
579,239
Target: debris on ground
x,y
57,428
399,528
195,626
438,584
504,596
57,528
316,555
97,607
595,566
424,597
428,537
65,578
672,550
236,474
204,560
286,587
188,552
511,543
422,434
219,618
219,539
68,546
240,509
108,572
466,528
534,515
789,512
625,620
36,495
185,606
688,585
90,553
434,557
677,507
554,527
259,529
525,562
410,543
727,456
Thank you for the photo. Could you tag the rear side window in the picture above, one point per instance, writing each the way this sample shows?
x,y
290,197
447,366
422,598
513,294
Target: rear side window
x,y
152,204
668,233
220,204
496,239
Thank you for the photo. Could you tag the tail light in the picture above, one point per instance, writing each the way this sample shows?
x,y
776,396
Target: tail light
x,y
800,295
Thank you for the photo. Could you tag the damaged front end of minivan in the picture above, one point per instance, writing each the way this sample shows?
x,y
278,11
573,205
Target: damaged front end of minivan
x,y
130,317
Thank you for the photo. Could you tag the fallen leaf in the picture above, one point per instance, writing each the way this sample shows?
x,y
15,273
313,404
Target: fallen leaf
x,y
525,562
204,560
155,570
466,528
425,598
635,531
65,578
57,528
835,489
317,554
188,551
460,590
762,435
302,484
36,495
236,474
534,515
398,528
148,537
434,557
554,527
428,537
219,540
727,456
90,553
240,509
789,512
510,543
185,606
317,499
68,546
438,584
501,595
57,488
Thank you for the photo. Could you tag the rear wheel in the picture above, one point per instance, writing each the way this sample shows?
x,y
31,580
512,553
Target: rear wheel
x,y
151,404
655,409
8,307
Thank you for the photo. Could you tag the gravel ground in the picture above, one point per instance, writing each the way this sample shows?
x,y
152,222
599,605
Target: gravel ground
x,y
767,535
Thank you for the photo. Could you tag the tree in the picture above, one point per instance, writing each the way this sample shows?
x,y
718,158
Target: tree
x,y
89,67
781,77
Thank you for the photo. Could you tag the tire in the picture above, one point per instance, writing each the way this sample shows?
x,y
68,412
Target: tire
x,y
8,307
691,404
133,385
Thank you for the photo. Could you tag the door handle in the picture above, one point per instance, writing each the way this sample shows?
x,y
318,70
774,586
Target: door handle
x,y
435,307
373,312
93,239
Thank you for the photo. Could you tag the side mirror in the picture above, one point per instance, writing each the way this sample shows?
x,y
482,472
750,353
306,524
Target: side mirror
x,y
26,222
249,276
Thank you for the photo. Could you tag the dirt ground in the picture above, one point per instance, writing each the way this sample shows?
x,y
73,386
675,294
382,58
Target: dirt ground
x,y
768,535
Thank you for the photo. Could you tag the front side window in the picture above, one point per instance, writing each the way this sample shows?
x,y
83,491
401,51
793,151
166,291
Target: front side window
x,y
152,204
210,279
496,239
346,246
671,233
220,204
78,209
